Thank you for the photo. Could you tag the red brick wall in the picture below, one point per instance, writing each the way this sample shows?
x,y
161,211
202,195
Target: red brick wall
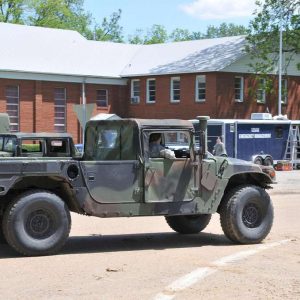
x,y
37,100
220,98
37,103
187,108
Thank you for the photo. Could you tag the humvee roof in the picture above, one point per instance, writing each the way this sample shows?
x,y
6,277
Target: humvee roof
x,y
148,123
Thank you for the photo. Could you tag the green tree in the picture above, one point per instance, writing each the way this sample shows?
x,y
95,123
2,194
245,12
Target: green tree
x,y
64,14
224,30
12,11
157,34
263,39
110,29
180,34
137,37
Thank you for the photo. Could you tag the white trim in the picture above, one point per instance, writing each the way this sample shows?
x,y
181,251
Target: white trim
x,y
172,100
147,90
65,110
241,89
198,77
132,96
98,106
61,78
14,104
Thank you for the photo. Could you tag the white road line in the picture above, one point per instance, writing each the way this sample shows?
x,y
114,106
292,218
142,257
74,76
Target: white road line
x,y
244,254
199,274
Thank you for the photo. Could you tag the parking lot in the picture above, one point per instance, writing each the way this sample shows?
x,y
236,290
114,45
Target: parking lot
x,y
142,258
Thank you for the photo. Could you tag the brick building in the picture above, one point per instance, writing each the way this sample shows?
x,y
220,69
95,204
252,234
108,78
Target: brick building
x,y
44,72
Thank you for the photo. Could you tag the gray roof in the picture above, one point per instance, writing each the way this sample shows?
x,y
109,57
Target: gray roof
x,y
64,52
186,57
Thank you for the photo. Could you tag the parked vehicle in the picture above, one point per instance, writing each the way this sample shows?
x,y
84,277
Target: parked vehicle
x,y
21,144
263,142
117,177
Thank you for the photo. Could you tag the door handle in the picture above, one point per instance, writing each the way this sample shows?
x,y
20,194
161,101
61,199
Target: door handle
x,y
91,176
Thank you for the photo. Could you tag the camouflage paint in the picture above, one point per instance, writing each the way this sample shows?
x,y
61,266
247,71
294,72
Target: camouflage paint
x,y
133,187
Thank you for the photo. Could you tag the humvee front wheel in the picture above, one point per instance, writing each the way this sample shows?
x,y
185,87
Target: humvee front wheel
x,y
37,223
246,214
188,224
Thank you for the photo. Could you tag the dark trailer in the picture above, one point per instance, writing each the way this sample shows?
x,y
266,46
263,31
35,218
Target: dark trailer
x,y
260,141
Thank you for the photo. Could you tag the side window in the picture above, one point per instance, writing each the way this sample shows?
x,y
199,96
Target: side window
x,y
111,142
58,147
169,144
108,139
9,144
1,143
29,147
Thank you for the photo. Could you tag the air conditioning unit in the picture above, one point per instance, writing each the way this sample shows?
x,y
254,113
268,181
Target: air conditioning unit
x,y
261,116
135,99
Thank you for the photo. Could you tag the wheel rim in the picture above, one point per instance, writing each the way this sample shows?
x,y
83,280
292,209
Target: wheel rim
x,y
251,216
39,224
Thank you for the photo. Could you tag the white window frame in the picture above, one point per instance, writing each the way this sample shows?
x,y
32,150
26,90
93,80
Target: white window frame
x,y
172,90
102,106
148,95
56,125
284,91
198,78
262,88
241,89
14,127
135,99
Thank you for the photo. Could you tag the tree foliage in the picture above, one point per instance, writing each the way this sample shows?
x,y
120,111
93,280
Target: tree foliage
x,y
63,14
263,37
11,11
110,29
159,34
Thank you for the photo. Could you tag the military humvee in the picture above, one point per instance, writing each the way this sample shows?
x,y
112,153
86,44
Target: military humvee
x,y
117,177
36,145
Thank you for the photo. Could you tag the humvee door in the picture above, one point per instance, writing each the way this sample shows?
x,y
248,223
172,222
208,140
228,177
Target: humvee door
x,y
168,179
111,165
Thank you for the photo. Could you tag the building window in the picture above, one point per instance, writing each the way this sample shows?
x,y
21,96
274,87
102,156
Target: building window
x,y
261,91
239,88
12,106
200,88
135,91
60,110
102,98
151,90
284,91
175,89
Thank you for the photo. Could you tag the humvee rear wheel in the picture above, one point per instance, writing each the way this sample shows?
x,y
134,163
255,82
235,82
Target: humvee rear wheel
x,y
2,238
37,223
188,224
246,214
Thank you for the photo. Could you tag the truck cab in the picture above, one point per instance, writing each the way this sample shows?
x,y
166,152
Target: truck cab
x,y
117,176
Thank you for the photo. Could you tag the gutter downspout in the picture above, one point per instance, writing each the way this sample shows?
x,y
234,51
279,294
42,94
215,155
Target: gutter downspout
x,y
84,110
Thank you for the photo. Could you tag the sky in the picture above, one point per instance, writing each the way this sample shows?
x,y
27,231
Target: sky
x,y
194,15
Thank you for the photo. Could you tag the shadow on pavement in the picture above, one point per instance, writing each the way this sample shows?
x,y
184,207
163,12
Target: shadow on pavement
x,y
130,242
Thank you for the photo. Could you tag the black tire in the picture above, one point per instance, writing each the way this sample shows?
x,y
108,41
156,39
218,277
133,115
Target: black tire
x,y
37,223
188,224
268,161
258,160
246,214
2,237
